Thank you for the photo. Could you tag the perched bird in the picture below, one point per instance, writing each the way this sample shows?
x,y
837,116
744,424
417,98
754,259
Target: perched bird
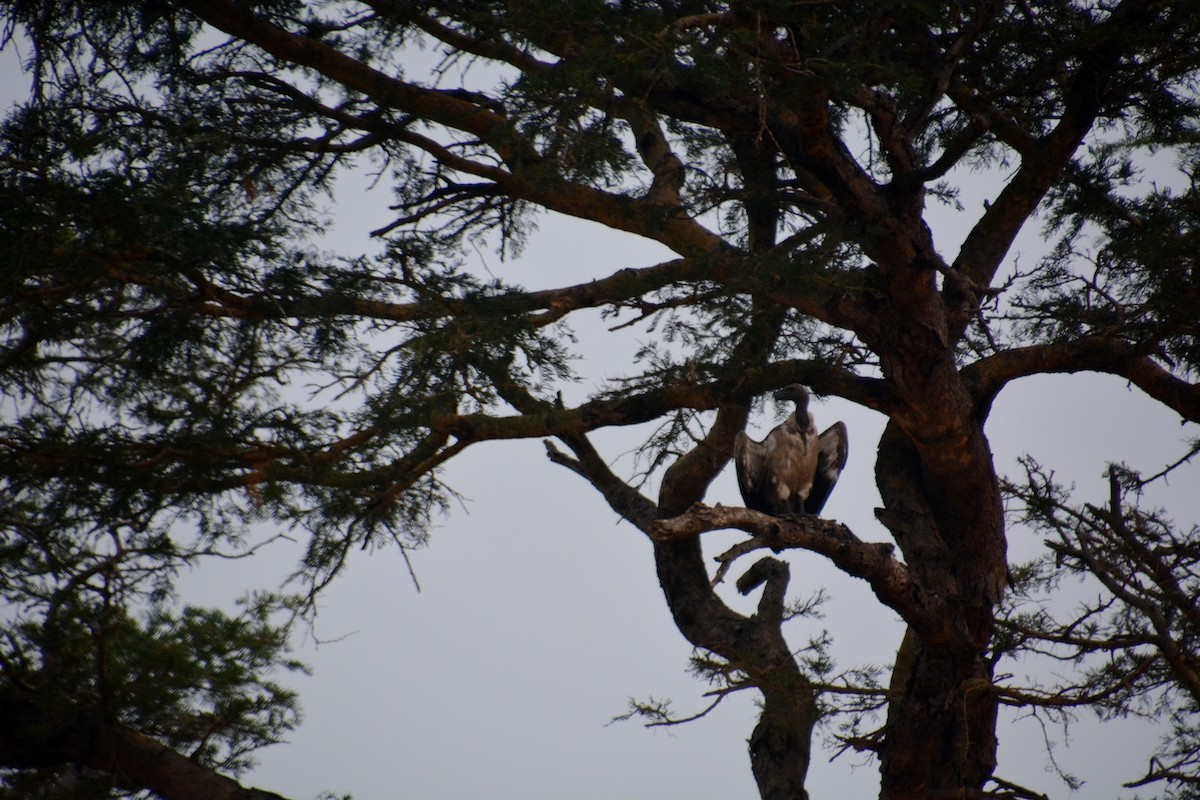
x,y
793,470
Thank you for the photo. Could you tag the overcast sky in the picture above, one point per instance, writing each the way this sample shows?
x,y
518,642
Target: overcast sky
x,y
539,614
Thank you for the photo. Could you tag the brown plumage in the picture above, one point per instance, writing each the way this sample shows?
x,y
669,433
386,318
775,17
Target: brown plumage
x,y
793,470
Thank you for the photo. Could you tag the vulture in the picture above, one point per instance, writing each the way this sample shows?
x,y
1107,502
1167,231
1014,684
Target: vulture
x,y
793,470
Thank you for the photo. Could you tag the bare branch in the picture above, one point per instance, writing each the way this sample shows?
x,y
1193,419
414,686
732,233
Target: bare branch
x,y
873,562
1090,354
622,498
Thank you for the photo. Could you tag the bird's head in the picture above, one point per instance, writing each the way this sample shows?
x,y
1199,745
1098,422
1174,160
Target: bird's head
x,y
794,392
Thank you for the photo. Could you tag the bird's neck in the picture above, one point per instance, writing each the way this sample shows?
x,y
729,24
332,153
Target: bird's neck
x,y
801,421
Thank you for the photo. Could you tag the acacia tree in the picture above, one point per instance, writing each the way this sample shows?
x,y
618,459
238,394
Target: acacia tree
x,y
161,296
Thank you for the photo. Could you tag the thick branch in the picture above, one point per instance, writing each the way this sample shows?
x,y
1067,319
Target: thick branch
x,y
130,759
656,153
237,20
541,307
873,562
138,759
1093,354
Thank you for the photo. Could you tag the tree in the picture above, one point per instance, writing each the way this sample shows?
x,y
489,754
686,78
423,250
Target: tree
x,y
165,305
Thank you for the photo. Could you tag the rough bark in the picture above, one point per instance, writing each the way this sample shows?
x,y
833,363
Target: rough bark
x,y
940,736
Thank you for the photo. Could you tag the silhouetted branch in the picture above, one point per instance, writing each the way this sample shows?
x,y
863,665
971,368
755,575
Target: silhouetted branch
x,y
874,562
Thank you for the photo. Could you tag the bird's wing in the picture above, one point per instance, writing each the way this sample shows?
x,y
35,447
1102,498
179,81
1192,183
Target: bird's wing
x,y
832,449
748,459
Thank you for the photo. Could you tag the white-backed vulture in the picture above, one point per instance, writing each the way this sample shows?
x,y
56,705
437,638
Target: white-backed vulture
x,y
793,470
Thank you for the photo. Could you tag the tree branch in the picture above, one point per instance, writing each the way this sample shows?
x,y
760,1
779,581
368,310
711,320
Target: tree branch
x,y
130,759
872,561
989,375
656,153
532,177
630,504
491,48
1043,160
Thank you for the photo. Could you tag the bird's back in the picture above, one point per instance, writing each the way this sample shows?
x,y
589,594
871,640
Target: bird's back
x,y
776,474
791,462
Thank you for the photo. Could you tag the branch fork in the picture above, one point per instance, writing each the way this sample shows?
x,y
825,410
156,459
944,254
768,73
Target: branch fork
x,y
874,562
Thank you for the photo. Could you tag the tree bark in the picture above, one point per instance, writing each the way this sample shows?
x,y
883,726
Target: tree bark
x,y
940,734
781,744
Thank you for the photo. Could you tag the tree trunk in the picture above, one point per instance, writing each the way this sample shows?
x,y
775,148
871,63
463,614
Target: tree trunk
x,y
781,744
940,735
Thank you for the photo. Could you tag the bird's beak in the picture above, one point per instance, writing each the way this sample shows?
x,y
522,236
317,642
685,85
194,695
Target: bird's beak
x,y
792,393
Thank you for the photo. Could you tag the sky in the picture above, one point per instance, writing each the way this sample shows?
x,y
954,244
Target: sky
x,y
539,615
